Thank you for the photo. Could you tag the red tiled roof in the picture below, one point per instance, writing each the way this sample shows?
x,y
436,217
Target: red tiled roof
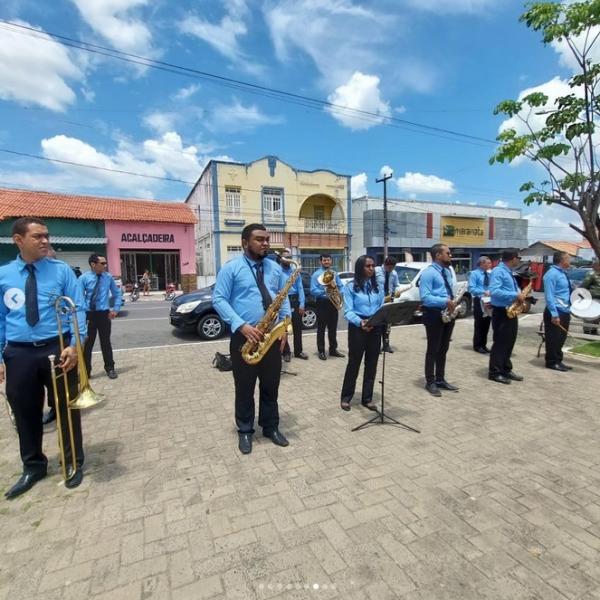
x,y
28,203
564,246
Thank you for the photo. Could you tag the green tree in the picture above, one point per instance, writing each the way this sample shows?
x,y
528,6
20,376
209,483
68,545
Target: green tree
x,y
561,135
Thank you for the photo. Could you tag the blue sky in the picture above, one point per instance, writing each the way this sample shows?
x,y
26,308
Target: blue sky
x,y
443,63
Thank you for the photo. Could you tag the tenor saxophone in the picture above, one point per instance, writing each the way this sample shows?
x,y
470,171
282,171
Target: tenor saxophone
x,y
253,353
520,306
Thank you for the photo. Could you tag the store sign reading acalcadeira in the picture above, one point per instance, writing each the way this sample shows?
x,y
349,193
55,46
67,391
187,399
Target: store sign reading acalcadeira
x,y
146,238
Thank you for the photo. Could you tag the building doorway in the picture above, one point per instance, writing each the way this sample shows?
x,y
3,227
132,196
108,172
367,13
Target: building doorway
x,y
164,267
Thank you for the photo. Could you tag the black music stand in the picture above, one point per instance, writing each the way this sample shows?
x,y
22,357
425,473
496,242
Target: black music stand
x,y
387,315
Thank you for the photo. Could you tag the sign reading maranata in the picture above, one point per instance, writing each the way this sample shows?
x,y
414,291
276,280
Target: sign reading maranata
x,y
148,238
462,231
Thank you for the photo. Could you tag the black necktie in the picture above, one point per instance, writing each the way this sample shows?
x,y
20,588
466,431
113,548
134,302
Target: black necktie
x,y
486,279
447,284
95,292
32,313
386,285
262,288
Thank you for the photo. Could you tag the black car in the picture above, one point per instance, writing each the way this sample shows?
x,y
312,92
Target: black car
x,y
195,312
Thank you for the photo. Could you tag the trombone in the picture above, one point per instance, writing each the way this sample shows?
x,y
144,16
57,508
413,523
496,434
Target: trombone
x,y
85,397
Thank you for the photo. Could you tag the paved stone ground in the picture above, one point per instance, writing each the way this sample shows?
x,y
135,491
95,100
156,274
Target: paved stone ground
x,y
498,497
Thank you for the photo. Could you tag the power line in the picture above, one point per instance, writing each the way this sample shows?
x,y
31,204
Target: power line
x,y
283,95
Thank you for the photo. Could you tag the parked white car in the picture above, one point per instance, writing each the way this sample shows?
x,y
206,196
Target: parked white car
x,y
409,274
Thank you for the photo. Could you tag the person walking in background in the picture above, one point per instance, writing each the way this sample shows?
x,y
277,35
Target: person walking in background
x,y
145,280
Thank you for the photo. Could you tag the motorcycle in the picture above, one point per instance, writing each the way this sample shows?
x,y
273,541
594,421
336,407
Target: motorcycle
x,y
170,292
135,292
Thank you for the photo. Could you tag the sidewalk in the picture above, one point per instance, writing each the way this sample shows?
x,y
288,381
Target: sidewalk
x,y
497,498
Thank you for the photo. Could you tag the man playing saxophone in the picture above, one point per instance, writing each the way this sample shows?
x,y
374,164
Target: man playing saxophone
x,y
504,291
244,290
437,295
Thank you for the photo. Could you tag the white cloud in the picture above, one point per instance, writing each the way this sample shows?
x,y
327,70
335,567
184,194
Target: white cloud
x,y
361,92
501,204
237,117
551,222
113,20
453,6
186,92
385,171
566,57
418,183
161,121
35,70
358,185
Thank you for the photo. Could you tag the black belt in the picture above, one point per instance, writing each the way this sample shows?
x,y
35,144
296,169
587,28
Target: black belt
x,y
39,343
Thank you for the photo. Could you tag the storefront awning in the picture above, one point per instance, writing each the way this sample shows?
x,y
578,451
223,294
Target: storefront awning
x,y
55,240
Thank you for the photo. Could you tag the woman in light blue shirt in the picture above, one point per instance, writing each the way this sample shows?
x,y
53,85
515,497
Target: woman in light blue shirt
x,y
362,299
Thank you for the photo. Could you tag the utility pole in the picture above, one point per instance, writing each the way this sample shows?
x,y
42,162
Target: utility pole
x,y
386,230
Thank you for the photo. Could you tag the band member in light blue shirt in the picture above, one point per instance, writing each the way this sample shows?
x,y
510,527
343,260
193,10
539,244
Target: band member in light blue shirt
x,y
245,288
437,294
363,297
387,280
99,287
29,333
297,305
504,290
557,314
479,288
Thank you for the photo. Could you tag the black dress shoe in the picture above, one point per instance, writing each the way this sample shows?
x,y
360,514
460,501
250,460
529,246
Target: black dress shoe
x,y
444,385
369,405
336,354
557,367
301,355
345,405
245,443
388,349
487,350
112,374
567,367
49,417
74,479
322,356
512,375
499,378
433,389
277,438
25,483
287,357
480,350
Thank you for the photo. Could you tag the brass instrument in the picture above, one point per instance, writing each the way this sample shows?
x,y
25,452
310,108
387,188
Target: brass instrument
x,y
520,306
327,279
448,316
85,398
272,331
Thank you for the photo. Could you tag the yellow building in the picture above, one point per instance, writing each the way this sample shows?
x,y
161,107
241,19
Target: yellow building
x,y
307,211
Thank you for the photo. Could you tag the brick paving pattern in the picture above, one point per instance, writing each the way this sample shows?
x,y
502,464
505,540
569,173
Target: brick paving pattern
x,y
498,497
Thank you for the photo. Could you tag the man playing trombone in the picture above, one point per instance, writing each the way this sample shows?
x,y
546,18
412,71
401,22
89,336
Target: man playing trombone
x,y
29,333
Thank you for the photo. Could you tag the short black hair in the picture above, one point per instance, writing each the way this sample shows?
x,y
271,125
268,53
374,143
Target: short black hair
x,y
510,253
21,225
558,256
247,231
389,260
436,249
93,258
324,255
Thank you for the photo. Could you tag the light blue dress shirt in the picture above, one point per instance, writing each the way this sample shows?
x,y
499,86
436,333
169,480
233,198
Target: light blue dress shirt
x,y
557,290
318,290
477,286
393,281
236,296
503,286
432,287
362,303
54,278
106,289
297,289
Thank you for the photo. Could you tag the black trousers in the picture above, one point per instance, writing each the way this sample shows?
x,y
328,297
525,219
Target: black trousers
x,y
99,323
481,325
268,373
27,374
296,327
361,343
505,336
438,342
555,337
327,317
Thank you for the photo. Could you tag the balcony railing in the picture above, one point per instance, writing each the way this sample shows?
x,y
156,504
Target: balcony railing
x,y
322,226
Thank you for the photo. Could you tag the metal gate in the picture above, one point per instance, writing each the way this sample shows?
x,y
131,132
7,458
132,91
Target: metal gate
x,y
311,262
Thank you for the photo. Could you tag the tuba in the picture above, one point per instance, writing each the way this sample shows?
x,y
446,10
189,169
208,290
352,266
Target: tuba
x,y
327,279
85,397
520,306
272,331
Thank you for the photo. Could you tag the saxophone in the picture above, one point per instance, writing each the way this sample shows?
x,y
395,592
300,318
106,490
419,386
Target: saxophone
x,y
448,316
327,279
520,306
272,331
